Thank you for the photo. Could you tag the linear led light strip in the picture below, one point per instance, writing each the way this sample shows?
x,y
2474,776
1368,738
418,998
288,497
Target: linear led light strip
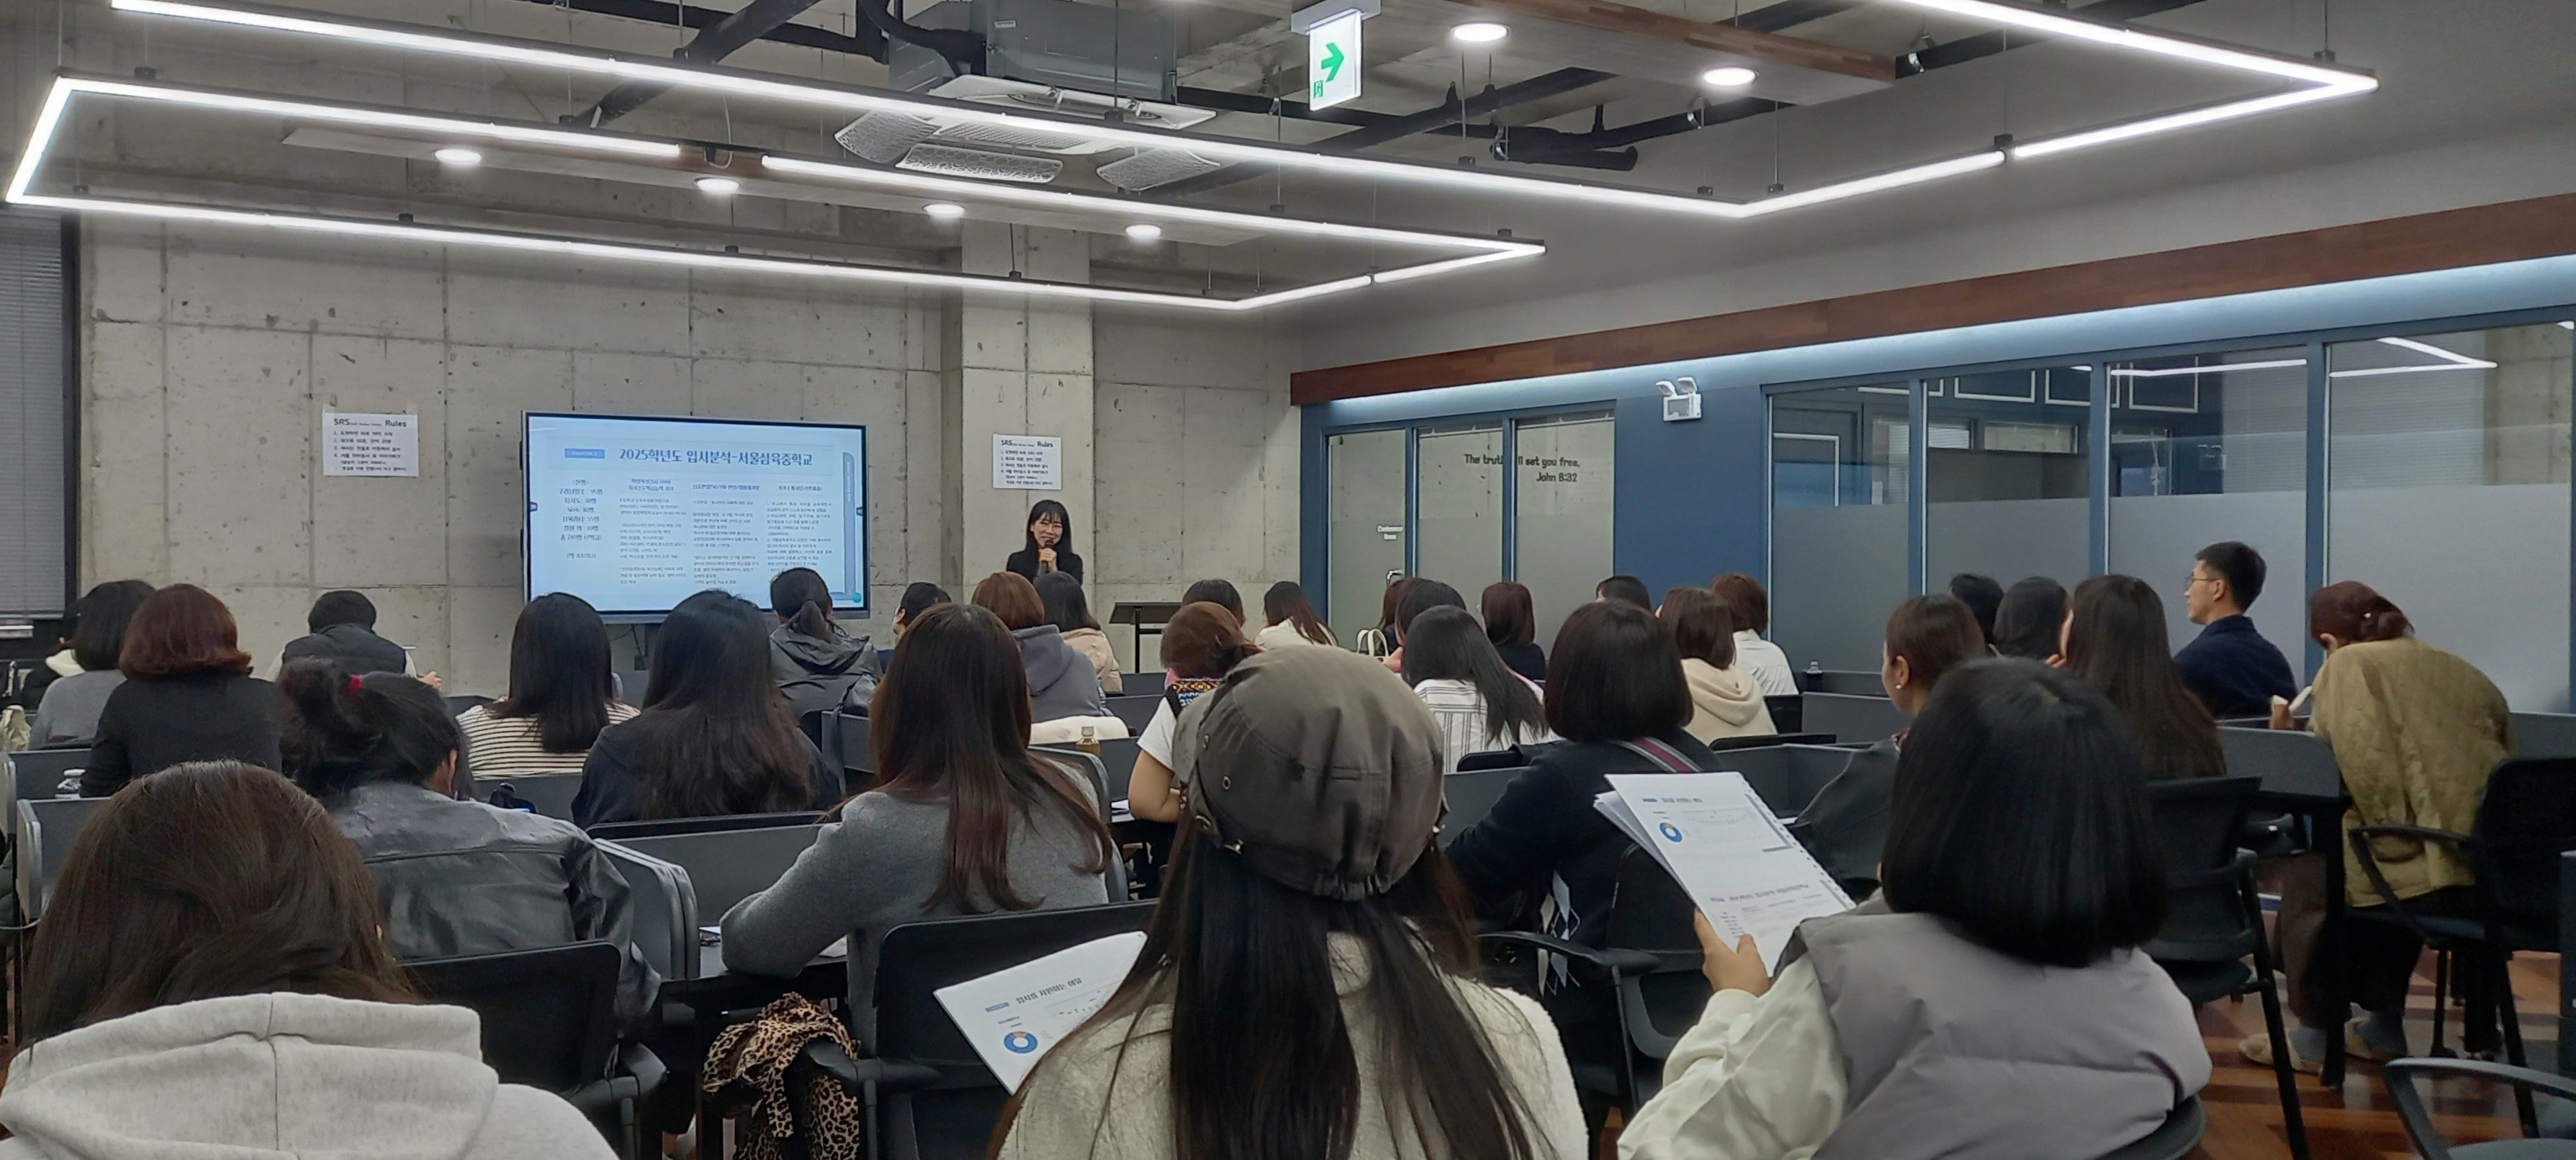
x,y
756,86
2451,361
449,128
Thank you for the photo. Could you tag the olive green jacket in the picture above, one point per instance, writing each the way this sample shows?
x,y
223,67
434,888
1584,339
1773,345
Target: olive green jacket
x,y
2416,731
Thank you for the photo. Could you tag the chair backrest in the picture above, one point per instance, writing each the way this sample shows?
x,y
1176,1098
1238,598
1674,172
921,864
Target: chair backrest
x,y
549,1016
1492,759
549,794
2527,820
464,701
39,773
631,684
726,866
45,832
665,908
1851,717
1846,683
1766,740
2198,823
956,1117
1788,713
1786,777
1472,796
1137,712
1092,769
2544,735
623,831
812,725
1143,684
850,731
2291,762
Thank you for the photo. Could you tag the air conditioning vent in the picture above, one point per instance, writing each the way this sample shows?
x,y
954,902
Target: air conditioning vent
x,y
1154,167
983,165
1015,137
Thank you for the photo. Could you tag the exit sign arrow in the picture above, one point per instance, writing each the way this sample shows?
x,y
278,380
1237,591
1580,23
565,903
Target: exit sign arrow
x,y
1332,62
1333,68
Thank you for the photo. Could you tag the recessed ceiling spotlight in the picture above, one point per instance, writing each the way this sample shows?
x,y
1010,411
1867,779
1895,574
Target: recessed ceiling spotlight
x,y
719,186
458,155
947,211
1144,231
1479,32
1729,77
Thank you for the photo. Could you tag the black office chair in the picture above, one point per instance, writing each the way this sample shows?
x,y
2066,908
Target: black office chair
x,y
1093,771
1137,712
1766,740
464,701
927,1094
845,736
550,1022
40,773
1143,684
2172,1140
2213,921
1493,759
2420,1130
812,725
619,831
2526,821
1623,1007
549,794
1472,796
1787,713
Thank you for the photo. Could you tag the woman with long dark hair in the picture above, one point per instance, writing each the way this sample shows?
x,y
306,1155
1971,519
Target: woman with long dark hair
x,y
2115,639
2030,619
560,694
965,819
1307,986
715,737
1070,612
1379,639
1062,683
1481,704
188,695
209,980
1511,622
2416,731
819,665
457,877
1725,702
1288,618
67,714
1755,652
2022,876
1616,694
1201,644
1050,543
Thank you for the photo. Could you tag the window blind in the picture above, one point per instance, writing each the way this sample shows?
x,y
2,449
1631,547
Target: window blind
x,y
35,432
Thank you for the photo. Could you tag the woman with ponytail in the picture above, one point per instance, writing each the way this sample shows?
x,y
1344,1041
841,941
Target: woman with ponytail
x,y
818,666
209,981
456,877
2416,731
1201,644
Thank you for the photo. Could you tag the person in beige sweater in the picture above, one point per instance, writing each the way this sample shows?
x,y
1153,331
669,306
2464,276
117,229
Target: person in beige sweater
x,y
1308,880
2416,732
1725,700
1071,615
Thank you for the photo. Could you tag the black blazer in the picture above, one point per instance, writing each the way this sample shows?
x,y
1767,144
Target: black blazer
x,y
1025,562
1544,826
150,725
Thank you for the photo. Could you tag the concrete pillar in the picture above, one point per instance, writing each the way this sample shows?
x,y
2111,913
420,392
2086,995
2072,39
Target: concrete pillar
x,y
1017,365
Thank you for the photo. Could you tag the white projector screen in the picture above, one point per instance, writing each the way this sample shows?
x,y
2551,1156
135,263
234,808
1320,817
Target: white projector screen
x,y
633,514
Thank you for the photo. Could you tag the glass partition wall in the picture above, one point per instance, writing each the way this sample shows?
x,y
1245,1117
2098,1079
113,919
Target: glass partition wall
x,y
1468,503
2433,466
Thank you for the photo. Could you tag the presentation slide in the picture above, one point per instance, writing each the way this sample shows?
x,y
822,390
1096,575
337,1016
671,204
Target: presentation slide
x,y
634,514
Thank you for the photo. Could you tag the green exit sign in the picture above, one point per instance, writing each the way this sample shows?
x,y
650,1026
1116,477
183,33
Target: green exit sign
x,y
1333,61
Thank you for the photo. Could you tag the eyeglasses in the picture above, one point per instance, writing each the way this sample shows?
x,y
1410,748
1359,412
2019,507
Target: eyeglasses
x,y
2197,579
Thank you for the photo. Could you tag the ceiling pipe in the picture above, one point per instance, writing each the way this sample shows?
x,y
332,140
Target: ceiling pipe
x,y
712,43
1451,115
1532,144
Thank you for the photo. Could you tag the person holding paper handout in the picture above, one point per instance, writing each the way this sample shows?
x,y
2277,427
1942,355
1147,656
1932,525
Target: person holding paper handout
x,y
1996,978
1304,990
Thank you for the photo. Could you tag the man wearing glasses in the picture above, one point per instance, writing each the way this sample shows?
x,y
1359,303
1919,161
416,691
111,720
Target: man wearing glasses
x,y
2229,666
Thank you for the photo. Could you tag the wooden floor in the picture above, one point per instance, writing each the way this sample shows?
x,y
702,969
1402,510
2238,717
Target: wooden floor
x,y
2359,1122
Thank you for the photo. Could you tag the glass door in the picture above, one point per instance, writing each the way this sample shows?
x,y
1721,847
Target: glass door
x,y
1368,526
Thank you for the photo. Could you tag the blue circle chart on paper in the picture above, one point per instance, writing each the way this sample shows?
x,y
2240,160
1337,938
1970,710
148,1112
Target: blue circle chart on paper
x,y
1020,1043
1671,832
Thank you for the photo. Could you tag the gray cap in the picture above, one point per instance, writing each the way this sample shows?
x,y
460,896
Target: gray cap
x,y
1319,766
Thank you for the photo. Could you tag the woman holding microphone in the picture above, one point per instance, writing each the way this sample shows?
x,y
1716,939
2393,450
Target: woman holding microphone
x,y
1050,546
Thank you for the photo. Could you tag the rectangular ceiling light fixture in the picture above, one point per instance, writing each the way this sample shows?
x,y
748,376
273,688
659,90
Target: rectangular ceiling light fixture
x,y
2320,82
21,190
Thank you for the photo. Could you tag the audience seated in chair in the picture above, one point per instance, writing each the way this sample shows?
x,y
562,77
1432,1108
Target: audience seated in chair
x,y
1421,594
1481,705
820,666
1305,988
1062,682
965,820
2031,620
1616,694
919,597
1288,618
1070,612
343,628
67,714
1511,623
2115,641
188,695
1845,826
457,877
1990,1002
1221,593
1983,596
1725,700
2230,666
1201,644
560,694
209,981
1752,605
2416,732
715,736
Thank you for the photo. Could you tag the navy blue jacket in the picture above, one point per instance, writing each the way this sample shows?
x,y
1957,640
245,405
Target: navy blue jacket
x,y
2234,671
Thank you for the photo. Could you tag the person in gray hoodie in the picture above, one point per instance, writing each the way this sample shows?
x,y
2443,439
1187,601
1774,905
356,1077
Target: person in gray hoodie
x,y
1062,682
250,1011
818,666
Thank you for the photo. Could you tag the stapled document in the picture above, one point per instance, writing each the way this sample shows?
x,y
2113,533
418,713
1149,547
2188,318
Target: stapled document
x,y
1013,1016
1735,859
